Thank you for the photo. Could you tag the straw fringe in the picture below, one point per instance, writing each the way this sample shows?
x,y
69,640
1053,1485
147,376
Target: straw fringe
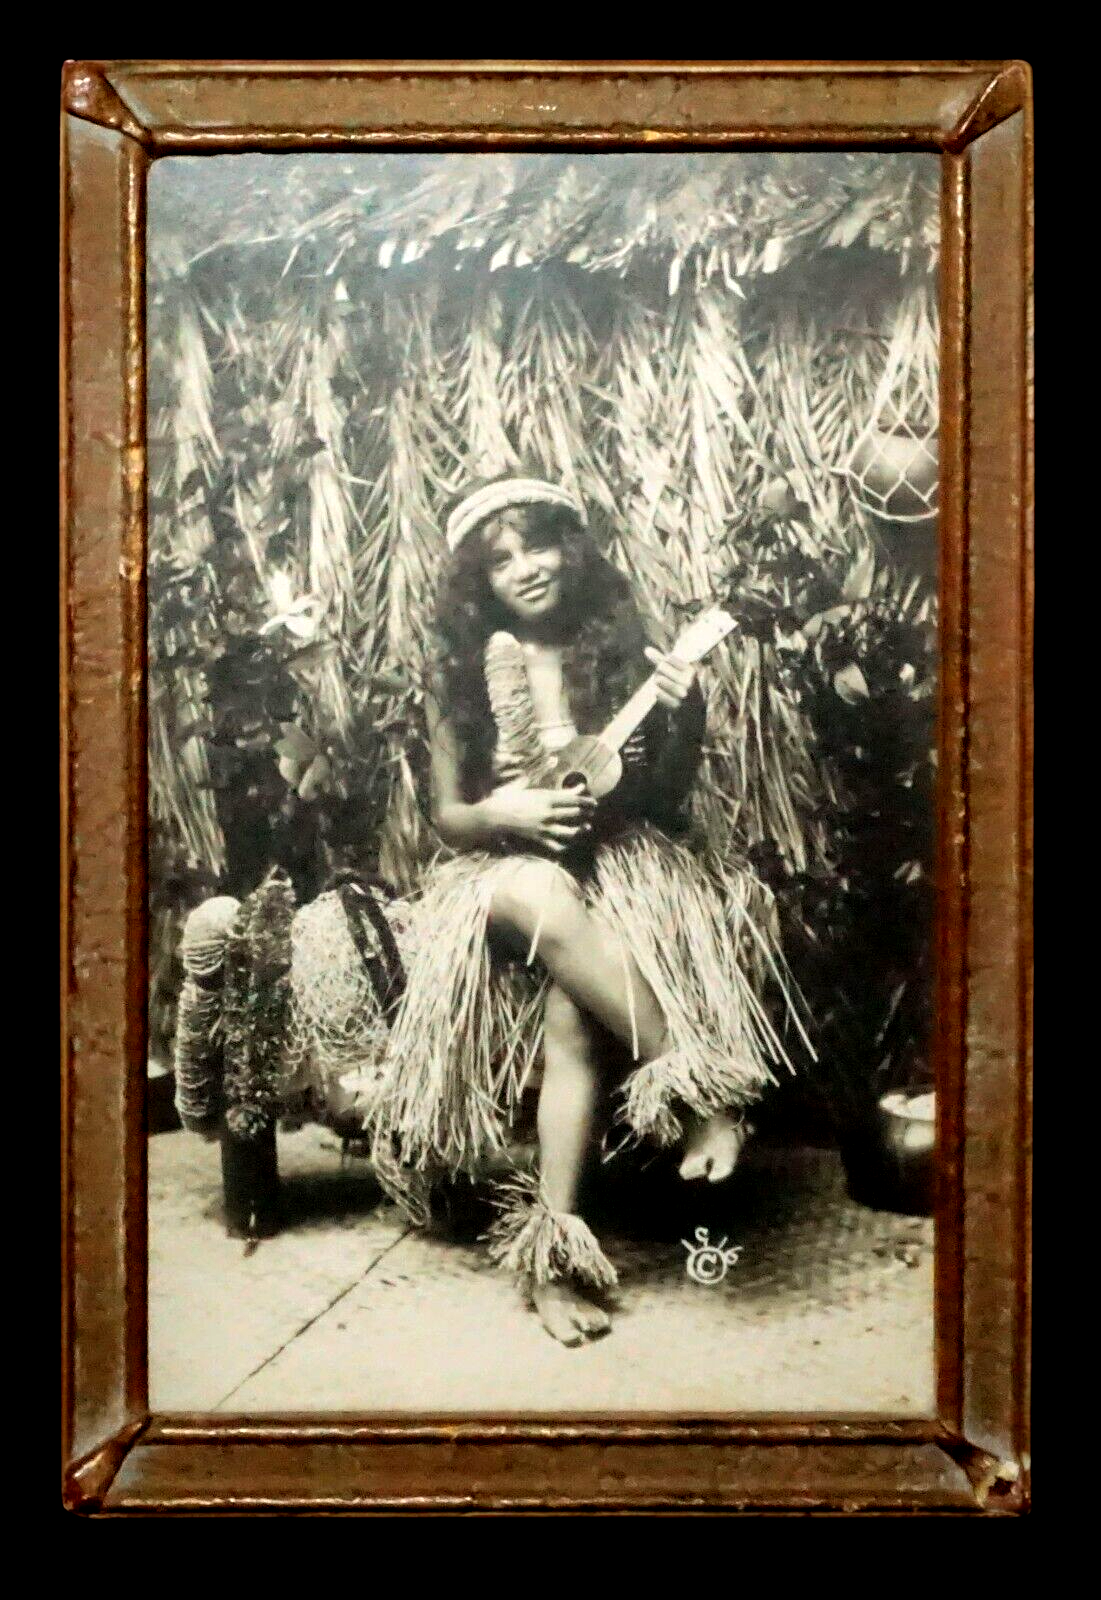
x,y
704,956
410,1191
541,1245
468,1032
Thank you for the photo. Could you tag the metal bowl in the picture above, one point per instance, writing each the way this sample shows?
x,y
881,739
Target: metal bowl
x,y
911,1124
891,1163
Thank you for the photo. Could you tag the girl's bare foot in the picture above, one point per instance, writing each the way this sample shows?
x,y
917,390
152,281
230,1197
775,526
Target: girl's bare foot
x,y
566,1314
712,1147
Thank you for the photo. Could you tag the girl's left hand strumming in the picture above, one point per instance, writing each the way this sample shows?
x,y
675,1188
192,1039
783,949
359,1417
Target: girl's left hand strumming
x,y
674,678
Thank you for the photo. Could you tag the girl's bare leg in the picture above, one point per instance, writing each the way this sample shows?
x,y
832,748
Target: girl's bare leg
x,y
712,1146
584,958
602,978
567,1104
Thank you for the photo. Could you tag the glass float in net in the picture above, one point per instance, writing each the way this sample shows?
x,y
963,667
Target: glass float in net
x,y
893,468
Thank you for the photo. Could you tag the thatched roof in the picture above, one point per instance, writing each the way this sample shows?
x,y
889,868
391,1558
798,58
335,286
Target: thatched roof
x,y
735,214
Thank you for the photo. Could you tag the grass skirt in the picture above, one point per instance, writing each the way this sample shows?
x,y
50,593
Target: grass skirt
x,y
468,1034
436,1078
539,1244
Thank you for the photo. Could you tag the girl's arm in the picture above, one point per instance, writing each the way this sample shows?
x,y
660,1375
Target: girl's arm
x,y
549,818
461,824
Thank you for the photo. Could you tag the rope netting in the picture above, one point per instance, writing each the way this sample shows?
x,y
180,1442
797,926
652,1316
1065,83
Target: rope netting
x,y
342,987
893,468
345,976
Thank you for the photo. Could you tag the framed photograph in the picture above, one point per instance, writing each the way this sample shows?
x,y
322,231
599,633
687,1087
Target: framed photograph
x,y
547,565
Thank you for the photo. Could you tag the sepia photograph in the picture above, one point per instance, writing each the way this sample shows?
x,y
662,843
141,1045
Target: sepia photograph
x,y
542,685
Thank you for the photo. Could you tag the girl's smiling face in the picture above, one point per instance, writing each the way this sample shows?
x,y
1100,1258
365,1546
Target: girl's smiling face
x,y
524,575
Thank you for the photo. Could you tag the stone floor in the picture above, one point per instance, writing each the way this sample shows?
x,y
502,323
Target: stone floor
x,y
827,1309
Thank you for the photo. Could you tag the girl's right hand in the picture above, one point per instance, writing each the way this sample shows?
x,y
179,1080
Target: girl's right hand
x,y
549,818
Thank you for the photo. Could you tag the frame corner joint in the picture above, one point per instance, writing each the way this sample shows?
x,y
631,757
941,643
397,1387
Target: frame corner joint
x,y
999,1483
88,1480
87,92
1008,91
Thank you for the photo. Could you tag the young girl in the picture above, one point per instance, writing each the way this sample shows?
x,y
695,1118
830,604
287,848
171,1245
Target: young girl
x,y
555,920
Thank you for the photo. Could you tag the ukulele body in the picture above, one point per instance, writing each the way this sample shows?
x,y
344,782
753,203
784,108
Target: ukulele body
x,y
588,763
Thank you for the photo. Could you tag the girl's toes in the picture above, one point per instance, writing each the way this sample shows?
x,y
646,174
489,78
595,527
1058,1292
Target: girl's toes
x,y
725,1156
557,1306
593,1321
721,1165
694,1165
714,1149
728,1157
559,1323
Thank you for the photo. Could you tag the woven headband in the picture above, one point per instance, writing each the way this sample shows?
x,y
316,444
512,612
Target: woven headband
x,y
494,497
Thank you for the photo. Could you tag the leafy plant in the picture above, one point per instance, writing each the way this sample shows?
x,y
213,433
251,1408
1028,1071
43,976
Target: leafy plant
x,y
858,922
283,777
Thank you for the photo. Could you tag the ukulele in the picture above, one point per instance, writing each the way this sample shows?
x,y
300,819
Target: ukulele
x,y
593,761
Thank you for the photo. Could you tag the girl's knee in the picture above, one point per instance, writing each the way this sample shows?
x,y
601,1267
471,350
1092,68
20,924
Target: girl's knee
x,y
538,895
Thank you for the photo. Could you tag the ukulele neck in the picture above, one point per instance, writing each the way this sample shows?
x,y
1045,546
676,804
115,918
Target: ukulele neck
x,y
695,642
624,723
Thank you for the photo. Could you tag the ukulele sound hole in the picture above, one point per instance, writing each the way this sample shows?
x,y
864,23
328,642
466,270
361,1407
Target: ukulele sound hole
x,y
573,780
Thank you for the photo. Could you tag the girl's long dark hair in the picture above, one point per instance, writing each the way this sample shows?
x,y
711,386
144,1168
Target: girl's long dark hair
x,y
603,662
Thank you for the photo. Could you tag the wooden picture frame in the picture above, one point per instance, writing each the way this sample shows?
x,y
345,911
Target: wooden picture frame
x,y
972,1456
